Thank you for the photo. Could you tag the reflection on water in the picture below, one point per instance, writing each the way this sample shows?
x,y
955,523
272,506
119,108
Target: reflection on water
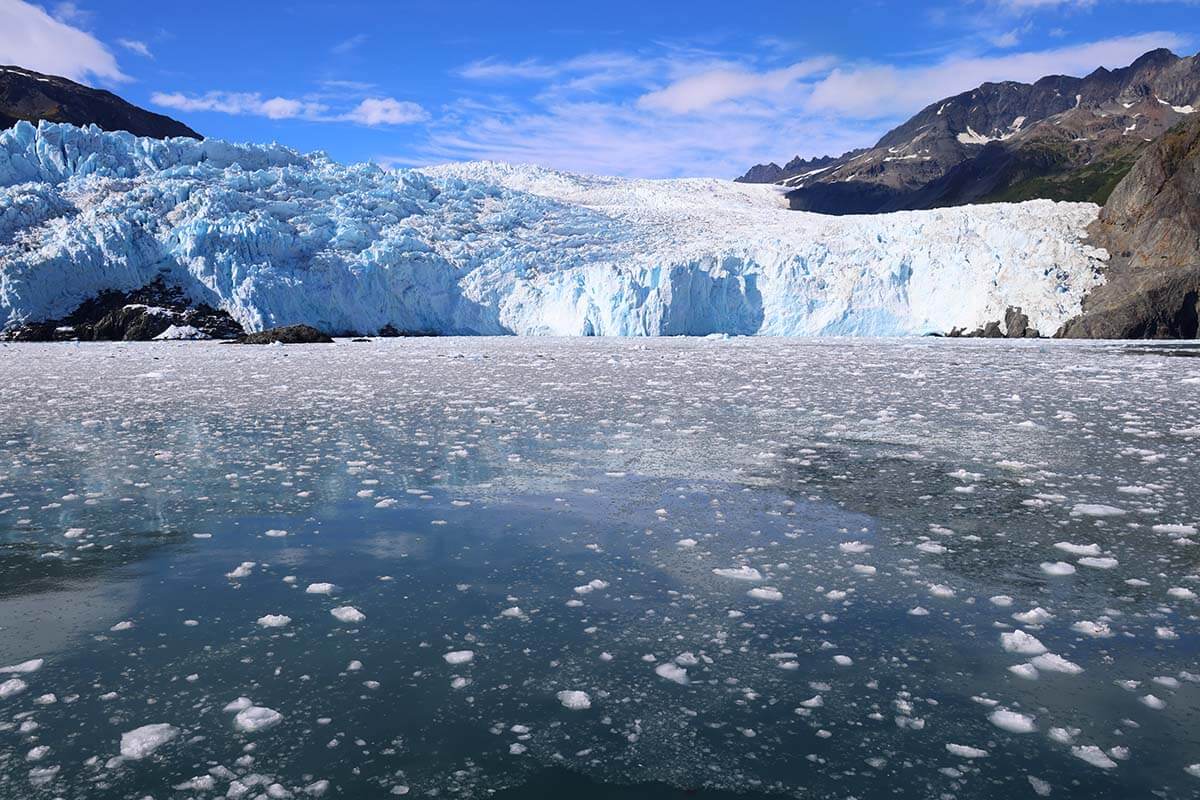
x,y
609,569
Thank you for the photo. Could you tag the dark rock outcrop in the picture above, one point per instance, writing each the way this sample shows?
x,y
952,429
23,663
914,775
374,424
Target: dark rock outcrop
x,y
32,96
141,315
1061,138
1151,229
288,334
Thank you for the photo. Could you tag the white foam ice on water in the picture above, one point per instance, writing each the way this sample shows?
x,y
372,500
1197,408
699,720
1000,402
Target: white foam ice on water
x,y
277,237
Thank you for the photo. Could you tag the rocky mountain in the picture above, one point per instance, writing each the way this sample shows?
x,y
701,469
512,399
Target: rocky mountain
x,y
1060,138
1151,229
32,96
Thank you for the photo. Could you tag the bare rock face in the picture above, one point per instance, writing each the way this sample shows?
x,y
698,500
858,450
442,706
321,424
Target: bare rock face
x,y
288,334
1151,229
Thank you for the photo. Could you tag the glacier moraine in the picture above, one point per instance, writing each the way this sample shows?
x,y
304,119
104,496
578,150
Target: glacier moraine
x,y
599,567
276,237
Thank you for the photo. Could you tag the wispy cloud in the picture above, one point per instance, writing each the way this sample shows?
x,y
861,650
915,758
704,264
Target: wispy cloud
x,y
32,38
371,111
135,46
708,88
349,45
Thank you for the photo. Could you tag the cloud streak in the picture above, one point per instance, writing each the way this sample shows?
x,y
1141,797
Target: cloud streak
x,y
372,111
33,39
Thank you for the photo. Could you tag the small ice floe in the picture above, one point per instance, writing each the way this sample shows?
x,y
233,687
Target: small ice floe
x,y
319,588
1057,568
1012,721
816,701
1097,630
1027,671
1050,662
1150,701
933,548
843,661
1040,787
854,547
274,620
141,742
1180,593
241,570
864,569
12,687
348,614
1034,616
768,593
1103,562
575,700
1175,530
1022,643
275,533
122,626
256,718
1095,510
918,611
593,585
686,543
1094,756
941,590
1079,549
965,751
739,573
25,667
1000,600
456,657
672,673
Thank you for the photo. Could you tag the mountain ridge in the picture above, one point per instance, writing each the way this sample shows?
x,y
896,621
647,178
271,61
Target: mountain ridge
x,y
1058,138
26,95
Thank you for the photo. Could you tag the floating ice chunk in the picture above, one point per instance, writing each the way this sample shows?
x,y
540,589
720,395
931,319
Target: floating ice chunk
x,y
918,611
274,620
739,573
1022,643
1034,616
1040,787
769,593
1027,671
672,672
1095,510
964,751
276,534
25,667
854,547
1097,630
256,718
931,547
1001,600
459,657
1150,701
843,661
241,570
347,614
593,585
12,687
1175,530
1193,770
1057,568
319,588
575,700
864,569
1079,549
941,590
1105,562
1012,721
685,543
122,626
816,701
141,742
1051,662
1180,593
1094,756
687,660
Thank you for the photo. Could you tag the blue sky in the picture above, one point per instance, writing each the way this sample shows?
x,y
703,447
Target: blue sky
x,y
653,88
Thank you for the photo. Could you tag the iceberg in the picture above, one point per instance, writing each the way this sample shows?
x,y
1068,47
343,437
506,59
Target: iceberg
x,y
276,237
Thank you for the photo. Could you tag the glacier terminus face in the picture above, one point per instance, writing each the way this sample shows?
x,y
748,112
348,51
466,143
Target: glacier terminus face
x,y
276,237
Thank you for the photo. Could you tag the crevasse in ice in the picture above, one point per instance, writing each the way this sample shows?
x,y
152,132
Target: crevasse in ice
x,y
277,237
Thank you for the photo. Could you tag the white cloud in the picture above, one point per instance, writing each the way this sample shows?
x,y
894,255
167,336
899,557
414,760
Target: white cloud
x,y
135,46
348,45
386,111
708,88
31,38
240,103
880,91
371,111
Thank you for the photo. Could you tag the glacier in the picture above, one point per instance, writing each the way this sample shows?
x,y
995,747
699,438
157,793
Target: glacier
x,y
278,237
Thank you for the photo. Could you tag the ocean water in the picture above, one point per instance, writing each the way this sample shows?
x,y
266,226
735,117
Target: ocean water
x,y
533,568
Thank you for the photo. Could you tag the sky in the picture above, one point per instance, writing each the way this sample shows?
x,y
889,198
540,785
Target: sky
x,y
647,88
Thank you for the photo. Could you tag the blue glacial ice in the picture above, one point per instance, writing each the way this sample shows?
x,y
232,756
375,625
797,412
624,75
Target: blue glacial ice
x,y
276,237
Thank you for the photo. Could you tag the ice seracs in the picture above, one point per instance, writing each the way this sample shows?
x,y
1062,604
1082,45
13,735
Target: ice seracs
x,y
275,237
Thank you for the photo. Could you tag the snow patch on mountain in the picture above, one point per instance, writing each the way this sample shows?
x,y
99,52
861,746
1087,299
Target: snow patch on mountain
x,y
277,237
